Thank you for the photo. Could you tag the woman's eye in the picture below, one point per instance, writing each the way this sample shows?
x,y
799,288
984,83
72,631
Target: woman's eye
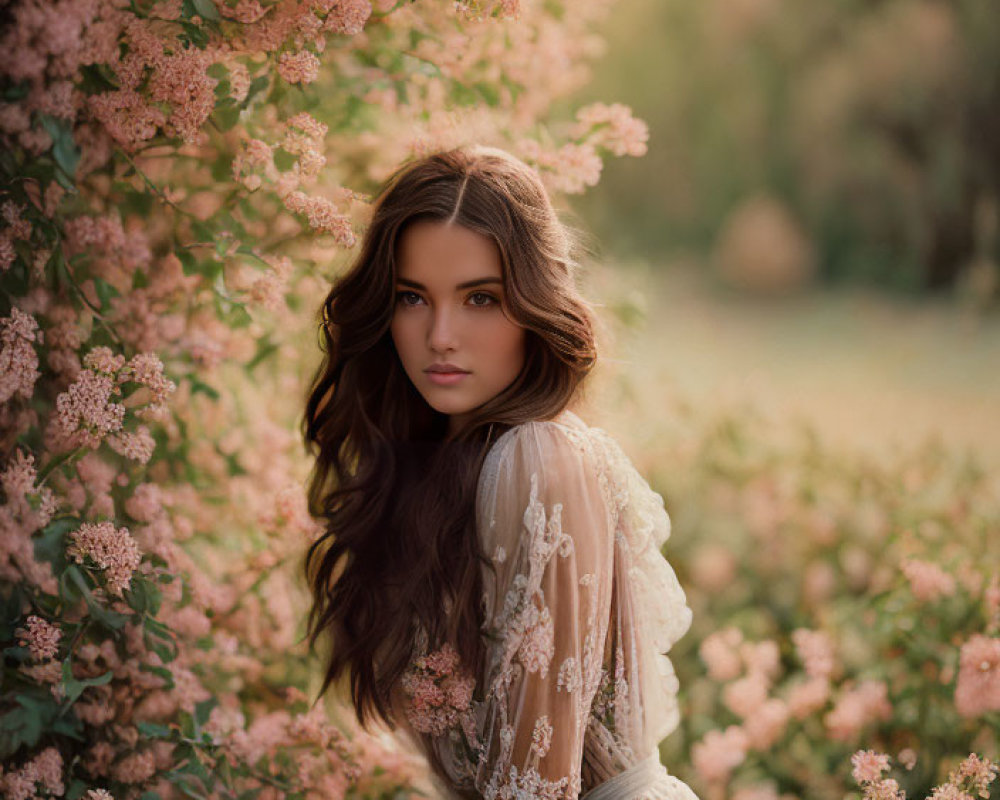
x,y
407,298
481,299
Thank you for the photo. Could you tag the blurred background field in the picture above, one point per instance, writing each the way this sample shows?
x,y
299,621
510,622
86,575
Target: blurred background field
x,y
815,225
800,287
867,371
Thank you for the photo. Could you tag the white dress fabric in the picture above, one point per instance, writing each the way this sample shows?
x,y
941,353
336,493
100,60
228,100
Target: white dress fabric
x,y
578,690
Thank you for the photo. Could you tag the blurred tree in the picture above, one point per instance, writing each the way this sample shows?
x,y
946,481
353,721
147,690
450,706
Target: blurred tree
x,y
876,124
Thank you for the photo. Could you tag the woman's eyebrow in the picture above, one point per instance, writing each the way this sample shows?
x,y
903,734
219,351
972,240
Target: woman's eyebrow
x,y
465,285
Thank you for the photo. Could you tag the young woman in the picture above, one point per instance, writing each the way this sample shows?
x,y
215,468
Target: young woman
x,y
491,575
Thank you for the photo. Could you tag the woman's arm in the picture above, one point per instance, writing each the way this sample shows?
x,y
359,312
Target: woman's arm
x,y
550,531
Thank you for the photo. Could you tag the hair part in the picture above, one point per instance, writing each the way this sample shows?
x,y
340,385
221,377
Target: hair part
x,y
396,493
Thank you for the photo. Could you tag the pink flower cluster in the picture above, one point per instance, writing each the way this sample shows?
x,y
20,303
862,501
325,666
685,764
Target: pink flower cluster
x,y
40,637
977,689
85,412
14,228
719,753
869,765
18,359
113,550
323,216
45,768
570,168
927,581
439,695
972,778
857,706
300,67
764,718
25,510
612,127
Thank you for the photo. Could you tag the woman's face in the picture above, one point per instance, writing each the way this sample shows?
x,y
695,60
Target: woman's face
x,y
449,315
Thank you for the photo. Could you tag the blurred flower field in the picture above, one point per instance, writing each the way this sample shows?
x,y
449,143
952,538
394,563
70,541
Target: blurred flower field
x,y
846,592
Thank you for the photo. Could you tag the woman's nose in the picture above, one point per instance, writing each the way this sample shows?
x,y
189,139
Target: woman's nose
x,y
443,332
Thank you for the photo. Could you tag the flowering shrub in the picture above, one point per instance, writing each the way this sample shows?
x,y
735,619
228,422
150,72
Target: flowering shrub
x,y
179,180
840,604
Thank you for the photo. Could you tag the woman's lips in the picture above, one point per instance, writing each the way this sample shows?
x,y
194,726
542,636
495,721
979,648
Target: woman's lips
x,y
445,378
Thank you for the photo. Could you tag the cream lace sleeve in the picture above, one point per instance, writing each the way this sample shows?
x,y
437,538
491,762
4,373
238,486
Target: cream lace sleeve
x,y
550,533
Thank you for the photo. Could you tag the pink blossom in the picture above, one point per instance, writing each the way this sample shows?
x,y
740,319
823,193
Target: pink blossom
x,y
764,727
907,757
101,359
245,11
181,80
114,551
48,766
977,689
7,252
927,581
134,767
348,16
303,127
613,127
85,413
856,707
18,359
137,445
98,794
146,502
976,774
718,753
746,695
300,67
885,789
719,652
322,215
762,657
758,791
869,765
438,692
815,650
126,116
40,637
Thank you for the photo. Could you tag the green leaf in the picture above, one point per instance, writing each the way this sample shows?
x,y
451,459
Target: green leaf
x,y
24,725
159,671
154,730
50,545
105,291
226,116
143,596
257,85
206,9
73,687
199,386
203,709
110,619
264,348
284,160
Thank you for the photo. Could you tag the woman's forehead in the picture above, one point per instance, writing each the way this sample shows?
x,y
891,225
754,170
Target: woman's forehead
x,y
446,253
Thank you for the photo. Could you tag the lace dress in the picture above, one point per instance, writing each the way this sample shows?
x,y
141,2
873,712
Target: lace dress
x,y
578,689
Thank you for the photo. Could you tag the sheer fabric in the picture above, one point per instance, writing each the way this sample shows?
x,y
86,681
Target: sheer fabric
x,y
578,689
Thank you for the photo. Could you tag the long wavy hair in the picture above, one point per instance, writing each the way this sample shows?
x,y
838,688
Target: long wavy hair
x,y
395,492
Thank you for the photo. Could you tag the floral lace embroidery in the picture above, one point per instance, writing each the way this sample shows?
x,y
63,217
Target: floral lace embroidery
x,y
523,632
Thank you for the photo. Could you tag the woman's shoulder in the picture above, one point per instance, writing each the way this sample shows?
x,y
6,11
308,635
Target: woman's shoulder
x,y
566,429
561,440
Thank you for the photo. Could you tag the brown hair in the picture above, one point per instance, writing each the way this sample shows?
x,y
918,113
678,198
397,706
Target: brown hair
x,y
397,494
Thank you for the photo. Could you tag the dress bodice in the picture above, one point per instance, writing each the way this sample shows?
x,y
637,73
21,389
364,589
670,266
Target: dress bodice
x,y
580,610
